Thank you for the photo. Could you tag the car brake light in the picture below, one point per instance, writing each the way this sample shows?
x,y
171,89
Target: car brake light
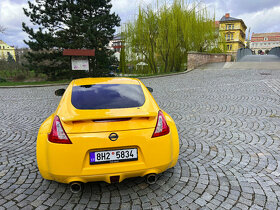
x,y
58,134
161,126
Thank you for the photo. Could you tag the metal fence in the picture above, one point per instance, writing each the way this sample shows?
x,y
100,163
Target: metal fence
x,y
274,51
243,52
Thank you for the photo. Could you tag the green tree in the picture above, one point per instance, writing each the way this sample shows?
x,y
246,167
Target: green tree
x,y
162,37
122,61
69,24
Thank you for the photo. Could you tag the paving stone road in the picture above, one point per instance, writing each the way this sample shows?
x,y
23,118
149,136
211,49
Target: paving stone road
x,y
229,127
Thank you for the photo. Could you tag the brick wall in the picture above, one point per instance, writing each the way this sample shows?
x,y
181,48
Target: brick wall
x,y
196,59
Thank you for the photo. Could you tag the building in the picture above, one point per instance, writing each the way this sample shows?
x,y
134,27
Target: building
x,y
263,42
6,51
116,45
234,31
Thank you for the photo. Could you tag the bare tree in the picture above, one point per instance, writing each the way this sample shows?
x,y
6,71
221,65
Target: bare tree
x,y
2,29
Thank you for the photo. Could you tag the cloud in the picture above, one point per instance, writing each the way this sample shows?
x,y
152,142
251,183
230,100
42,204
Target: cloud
x,y
239,7
128,9
263,21
11,18
260,15
252,6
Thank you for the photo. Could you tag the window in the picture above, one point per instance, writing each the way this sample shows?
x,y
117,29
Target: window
x,y
228,37
231,36
229,47
107,96
229,26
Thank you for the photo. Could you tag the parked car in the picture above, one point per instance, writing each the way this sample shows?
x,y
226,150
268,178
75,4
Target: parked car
x,y
106,129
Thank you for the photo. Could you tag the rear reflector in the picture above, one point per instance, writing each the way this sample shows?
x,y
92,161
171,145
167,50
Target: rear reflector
x,y
161,127
58,134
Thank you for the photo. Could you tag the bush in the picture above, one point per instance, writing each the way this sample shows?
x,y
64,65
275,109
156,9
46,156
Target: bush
x,y
12,71
2,80
19,78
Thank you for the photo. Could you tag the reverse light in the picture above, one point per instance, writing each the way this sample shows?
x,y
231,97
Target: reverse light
x,y
161,127
58,134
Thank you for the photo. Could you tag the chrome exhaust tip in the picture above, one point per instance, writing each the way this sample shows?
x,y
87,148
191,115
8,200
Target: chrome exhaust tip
x,y
151,178
75,187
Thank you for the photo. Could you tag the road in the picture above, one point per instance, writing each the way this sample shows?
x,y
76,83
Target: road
x,y
260,58
229,128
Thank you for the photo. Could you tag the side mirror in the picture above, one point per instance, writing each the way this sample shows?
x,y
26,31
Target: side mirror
x,y
150,89
59,92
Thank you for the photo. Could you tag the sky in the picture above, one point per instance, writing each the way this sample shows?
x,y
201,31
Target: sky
x,y
259,15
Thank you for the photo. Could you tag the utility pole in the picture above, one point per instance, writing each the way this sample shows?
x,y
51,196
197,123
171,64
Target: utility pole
x,y
248,38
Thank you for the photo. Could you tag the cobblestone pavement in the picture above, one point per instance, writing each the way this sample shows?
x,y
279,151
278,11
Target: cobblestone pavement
x,y
229,127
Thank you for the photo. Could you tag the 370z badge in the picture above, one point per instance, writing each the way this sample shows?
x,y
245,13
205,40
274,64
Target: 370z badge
x,y
113,137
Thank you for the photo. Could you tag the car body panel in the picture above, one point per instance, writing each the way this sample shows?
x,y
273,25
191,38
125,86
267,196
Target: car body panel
x,y
68,163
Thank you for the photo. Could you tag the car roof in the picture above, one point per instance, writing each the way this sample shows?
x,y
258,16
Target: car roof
x,y
105,80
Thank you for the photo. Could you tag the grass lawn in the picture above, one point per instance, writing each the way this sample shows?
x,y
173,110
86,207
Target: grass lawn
x,y
33,83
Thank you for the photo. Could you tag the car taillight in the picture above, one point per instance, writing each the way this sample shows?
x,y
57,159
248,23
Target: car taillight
x,y
58,134
161,126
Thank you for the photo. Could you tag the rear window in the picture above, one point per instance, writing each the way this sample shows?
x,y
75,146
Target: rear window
x,y
107,96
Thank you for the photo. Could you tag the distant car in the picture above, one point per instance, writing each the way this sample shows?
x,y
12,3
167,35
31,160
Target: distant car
x,y
106,129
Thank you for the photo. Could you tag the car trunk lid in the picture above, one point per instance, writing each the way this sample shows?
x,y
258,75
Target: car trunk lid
x,y
117,120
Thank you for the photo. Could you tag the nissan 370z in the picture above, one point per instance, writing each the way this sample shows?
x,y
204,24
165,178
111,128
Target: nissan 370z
x,y
106,129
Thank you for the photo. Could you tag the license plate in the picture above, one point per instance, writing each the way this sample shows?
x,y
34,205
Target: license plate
x,y
112,156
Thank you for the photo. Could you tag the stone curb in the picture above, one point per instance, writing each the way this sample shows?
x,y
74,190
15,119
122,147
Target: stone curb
x,y
59,84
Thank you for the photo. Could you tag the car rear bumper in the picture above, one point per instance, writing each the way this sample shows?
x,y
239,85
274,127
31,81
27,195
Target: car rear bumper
x,y
105,177
69,163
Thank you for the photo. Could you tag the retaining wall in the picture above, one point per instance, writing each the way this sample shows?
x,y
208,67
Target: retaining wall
x,y
196,59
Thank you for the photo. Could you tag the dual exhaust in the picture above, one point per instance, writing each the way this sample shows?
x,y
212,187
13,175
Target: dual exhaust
x,y
151,178
76,187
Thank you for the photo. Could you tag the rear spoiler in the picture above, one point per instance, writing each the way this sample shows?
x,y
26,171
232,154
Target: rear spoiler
x,y
101,116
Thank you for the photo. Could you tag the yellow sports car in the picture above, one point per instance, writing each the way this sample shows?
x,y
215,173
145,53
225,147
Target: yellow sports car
x,y
106,129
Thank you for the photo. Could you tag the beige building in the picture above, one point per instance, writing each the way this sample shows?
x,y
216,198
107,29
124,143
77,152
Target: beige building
x,y
6,50
115,45
262,42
